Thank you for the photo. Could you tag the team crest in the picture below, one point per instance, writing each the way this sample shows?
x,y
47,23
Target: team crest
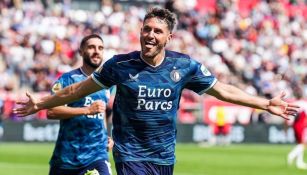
x,y
175,76
205,71
56,87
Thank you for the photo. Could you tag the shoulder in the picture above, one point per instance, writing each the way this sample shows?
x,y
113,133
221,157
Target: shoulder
x,y
70,74
181,59
65,79
121,59
173,54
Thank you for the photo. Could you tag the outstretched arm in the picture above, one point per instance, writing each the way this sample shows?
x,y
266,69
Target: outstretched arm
x,y
65,112
231,94
61,97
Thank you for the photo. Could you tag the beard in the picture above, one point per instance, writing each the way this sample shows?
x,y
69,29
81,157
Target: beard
x,y
152,53
87,60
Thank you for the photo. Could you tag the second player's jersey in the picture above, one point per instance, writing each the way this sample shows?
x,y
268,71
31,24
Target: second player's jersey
x,y
146,103
82,139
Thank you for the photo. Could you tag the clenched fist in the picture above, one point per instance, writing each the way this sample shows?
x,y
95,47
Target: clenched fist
x,y
97,107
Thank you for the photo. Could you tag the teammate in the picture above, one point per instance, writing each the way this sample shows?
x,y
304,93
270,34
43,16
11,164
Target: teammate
x,y
300,132
149,85
82,144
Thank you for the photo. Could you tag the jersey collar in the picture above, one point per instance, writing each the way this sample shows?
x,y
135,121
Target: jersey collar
x,y
150,64
83,72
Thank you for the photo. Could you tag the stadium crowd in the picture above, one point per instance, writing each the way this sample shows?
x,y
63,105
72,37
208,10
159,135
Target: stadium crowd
x,y
257,45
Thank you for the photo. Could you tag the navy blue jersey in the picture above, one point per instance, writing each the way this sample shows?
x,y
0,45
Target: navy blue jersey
x,y
146,103
82,139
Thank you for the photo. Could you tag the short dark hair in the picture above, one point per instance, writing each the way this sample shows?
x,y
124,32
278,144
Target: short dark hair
x,y
163,14
86,38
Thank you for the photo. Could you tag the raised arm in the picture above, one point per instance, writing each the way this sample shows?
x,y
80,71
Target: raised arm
x,y
276,105
61,97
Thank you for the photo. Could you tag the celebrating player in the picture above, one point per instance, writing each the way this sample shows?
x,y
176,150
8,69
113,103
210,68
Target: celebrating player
x,y
82,144
149,85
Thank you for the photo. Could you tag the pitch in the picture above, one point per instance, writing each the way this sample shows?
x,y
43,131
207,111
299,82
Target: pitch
x,y
248,159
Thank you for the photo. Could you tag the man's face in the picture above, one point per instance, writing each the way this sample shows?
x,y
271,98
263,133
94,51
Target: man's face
x,y
154,36
92,52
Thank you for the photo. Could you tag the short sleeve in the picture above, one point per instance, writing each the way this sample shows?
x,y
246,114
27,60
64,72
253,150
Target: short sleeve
x,y
106,76
201,79
59,84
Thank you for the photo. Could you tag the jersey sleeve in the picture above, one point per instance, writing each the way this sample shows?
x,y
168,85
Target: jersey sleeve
x,y
106,76
61,83
201,79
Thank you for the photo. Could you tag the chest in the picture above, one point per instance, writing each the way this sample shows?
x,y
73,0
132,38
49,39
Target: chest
x,y
165,83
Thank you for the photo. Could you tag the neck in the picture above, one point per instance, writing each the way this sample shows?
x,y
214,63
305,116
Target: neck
x,y
154,61
87,70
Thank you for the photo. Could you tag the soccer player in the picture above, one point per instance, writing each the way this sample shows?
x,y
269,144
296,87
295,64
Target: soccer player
x,y
82,144
148,89
300,132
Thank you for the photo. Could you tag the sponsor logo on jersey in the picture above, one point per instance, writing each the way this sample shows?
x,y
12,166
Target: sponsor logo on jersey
x,y
134,78
147,98
88,102
175,76
56,87
205,71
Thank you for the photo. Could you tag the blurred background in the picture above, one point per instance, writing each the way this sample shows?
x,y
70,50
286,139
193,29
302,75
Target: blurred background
x,y
256,45
259,46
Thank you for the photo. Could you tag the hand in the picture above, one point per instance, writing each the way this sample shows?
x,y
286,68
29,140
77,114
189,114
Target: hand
x,y
97,107
281,108
110,143
27,107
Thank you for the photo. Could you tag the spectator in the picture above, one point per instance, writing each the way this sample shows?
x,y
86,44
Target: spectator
x,y
247,43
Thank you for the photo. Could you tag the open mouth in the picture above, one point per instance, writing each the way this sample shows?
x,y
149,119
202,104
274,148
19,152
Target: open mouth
x,y
150,44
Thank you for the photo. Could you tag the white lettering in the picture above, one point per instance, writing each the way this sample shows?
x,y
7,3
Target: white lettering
x,y
237,134
163,106
169,105
159,92
204,133
90,116
149,105
142,91
151,93
145,93
41,133
167,92
141,102
154,105
148,92
88,101
157,104
100,116
280,136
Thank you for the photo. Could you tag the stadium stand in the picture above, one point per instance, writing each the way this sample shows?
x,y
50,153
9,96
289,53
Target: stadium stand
x,y
257,45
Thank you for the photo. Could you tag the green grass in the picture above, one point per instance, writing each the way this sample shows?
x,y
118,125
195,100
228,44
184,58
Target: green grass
x,y
32,159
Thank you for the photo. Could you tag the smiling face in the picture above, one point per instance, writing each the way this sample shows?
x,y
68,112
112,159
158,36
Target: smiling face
x,y
92,52
154,36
